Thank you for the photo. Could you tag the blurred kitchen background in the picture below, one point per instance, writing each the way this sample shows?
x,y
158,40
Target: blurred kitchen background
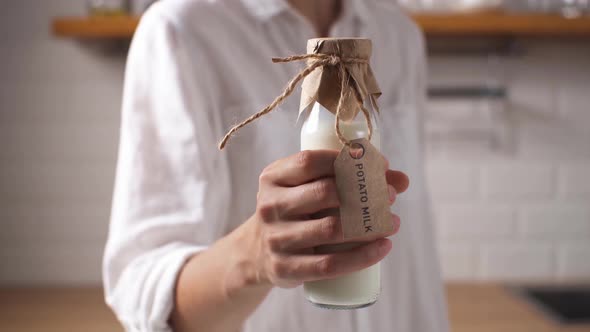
x,y
508,153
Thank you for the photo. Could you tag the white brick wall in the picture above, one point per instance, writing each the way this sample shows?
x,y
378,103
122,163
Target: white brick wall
x,y
556,222
510,261
573,262
59,114
574,180
475,222
520,211
460,261
450,181
509,181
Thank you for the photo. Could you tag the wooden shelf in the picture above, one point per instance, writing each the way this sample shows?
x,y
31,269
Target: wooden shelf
x,y
95,27
477,24
500,24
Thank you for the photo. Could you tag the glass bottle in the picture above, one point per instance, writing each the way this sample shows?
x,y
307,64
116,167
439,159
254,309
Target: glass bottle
x,y
358,289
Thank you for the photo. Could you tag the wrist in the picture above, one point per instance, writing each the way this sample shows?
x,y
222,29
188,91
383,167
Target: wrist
x,y
244,273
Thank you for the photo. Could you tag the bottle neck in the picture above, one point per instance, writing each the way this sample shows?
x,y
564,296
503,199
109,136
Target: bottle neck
x,y
318,130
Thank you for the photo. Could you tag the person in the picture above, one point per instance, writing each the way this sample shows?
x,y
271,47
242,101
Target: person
x,y
204,240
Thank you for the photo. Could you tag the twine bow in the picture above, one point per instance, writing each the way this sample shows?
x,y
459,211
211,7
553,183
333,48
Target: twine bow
x,y
318,60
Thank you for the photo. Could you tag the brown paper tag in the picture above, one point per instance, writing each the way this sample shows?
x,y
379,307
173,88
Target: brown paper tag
x,y
362,189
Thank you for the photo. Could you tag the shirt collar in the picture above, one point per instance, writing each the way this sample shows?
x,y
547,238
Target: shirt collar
x,y
267,9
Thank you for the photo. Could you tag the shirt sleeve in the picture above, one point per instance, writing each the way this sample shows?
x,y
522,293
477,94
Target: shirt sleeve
x,y
417,87
163,184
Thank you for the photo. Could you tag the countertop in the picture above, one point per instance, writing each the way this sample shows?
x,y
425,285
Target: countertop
x,y
493,308
472,308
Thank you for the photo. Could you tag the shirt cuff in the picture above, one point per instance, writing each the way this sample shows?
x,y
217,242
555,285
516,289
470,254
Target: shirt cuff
x,y
153,280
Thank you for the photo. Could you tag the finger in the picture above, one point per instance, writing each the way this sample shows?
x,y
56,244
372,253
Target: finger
x,y
329,266
297,235
392,194
302,167
309,198
399,180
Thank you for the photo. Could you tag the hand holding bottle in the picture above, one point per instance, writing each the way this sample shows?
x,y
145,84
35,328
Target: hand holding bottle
x,y
279,238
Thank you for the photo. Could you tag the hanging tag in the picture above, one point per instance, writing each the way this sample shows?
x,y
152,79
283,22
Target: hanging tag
x,y
362,189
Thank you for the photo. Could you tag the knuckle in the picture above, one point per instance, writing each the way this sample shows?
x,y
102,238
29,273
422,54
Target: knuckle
x,y
264,177
278,267
274,241
325,266
330,228
305,159
322,190
267,209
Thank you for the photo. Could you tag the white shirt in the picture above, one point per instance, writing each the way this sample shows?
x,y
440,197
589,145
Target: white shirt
x,y
195,68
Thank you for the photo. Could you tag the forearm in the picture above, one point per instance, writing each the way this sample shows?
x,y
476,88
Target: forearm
x,y
217,289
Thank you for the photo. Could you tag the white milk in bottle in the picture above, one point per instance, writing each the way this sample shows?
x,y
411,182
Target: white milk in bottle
x,y
358,289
